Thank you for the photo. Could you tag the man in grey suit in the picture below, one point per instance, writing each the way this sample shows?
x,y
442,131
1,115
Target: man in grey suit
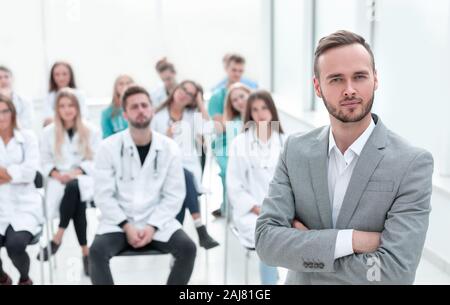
x,y
349,203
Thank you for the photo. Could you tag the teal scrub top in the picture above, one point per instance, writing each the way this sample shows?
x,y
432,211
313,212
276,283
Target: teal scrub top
x,y
112,125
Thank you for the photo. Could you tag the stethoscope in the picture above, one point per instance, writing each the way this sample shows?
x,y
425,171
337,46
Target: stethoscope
x,y
131,158
256,142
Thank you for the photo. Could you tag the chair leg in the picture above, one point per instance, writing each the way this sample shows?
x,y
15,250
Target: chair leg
x,y
227,221
247,258
41,263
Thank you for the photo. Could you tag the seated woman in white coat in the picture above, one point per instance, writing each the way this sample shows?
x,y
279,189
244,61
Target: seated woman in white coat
x,y
139,190
183,118
61,76
251,164
68,147
21,212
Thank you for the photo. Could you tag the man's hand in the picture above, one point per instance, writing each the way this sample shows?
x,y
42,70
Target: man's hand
x,y
365,242
146,236
299,226
132,235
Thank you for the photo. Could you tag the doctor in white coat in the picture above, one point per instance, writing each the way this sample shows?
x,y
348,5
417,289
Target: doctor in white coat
x,y
68,147
251,164
167,73
21,212
183,117
23,106
139,189
62,76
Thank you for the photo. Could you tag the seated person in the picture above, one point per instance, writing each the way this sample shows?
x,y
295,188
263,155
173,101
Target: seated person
x,y
140,188
21,212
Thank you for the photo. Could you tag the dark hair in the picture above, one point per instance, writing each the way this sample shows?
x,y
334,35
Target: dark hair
x,y
336,40
170,99
164,65
5,69
12,108
133,90
234,57
266,97
52,84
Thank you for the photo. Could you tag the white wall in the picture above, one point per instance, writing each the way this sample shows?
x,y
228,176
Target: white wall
x,y
412,51
103,38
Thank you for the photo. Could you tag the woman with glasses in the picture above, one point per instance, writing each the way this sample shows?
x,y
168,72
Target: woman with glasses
x,y
251,165
177,119
21,214
68,148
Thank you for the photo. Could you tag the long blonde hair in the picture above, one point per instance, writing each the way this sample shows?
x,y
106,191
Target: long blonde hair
x,y
229,112
84,147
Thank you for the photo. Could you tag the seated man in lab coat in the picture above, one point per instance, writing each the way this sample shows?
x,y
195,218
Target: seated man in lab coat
x,y
140,189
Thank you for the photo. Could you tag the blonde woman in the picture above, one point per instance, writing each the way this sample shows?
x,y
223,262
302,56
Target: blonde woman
x,y
112,120
235,103
67,148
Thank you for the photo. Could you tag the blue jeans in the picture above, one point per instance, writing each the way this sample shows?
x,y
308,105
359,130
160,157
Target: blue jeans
x,y
268,274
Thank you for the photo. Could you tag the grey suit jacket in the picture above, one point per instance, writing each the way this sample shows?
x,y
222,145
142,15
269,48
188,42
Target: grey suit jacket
x,y
389,192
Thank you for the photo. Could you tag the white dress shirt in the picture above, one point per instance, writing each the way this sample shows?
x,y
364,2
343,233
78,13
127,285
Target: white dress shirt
x,y
340,170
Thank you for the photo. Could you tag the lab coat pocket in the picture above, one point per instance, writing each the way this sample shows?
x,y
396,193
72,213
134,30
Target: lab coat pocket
x,y
86,186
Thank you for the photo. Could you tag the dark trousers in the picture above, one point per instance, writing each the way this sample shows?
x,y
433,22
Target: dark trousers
x,y
191,200
73,208
16,244
109,245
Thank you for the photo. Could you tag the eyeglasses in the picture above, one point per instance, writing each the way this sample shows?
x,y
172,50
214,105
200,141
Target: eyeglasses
x,y
5,112
191,95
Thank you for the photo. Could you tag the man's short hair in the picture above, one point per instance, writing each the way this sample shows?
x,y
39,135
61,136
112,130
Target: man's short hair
x,y
234,57
336,40
5,69
133,90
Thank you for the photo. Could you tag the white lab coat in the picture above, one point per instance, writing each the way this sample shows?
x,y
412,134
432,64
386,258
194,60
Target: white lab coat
x,y
20,202
49,105
148,194
158,95
251,166
186,131
24,111
71,159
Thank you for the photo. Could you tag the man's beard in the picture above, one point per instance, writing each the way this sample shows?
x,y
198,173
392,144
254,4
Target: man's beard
x,y
141,125
350,118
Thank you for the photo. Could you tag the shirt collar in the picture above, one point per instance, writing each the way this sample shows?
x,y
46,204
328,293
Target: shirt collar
x,y
359,143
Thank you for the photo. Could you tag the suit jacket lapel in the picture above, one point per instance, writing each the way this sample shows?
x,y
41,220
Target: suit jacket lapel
x,y
368,161
319,172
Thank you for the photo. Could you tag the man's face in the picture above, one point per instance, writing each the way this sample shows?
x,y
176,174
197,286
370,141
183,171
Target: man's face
x,y
138,111
235,71
347,82
5,80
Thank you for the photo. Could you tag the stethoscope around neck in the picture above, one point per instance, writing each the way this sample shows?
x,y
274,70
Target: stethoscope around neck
x,y
130,163
256,142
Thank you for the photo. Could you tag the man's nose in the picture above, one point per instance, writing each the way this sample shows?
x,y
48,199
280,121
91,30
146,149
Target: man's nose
x,y
349,90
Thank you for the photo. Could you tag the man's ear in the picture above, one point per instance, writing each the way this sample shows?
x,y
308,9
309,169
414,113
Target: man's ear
x,y
375,77
317,87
